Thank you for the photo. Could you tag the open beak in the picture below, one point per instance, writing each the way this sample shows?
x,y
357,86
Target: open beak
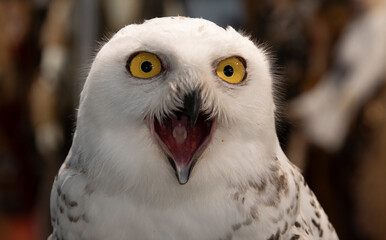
x,y
184,136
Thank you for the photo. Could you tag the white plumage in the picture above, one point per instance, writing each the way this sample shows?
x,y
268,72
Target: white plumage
x,y
117,182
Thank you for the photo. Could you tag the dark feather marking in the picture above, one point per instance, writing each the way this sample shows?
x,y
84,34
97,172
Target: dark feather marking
x,y
275,236
88,190
284,183
59,191
73,219
285,228
72,204
247,222
236,227
295,237
263,185
297,224
317,225
254,212
297,186
236,196
227,237
308,226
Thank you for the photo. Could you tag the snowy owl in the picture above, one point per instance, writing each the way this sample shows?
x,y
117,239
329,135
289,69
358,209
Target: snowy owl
x,y
176,139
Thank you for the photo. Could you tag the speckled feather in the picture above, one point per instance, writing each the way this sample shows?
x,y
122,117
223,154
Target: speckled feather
x,y
116,183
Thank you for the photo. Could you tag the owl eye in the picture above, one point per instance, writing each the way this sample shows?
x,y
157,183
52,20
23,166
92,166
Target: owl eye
x,y
144,65
231,70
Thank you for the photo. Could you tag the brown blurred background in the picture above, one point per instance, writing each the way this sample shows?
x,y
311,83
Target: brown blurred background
x,y
329,59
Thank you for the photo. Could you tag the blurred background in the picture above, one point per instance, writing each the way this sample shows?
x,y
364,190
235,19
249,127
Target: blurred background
x,y
328,56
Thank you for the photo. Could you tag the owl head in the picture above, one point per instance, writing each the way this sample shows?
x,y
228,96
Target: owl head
x,y
176,96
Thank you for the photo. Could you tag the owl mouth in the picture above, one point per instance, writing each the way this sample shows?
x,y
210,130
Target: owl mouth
x,y
184,136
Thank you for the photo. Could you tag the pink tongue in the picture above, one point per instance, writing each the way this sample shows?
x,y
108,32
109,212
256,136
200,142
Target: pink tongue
x,y
180,139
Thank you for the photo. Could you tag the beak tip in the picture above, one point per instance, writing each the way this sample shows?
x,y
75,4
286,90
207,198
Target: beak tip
x,y
182,182
183,175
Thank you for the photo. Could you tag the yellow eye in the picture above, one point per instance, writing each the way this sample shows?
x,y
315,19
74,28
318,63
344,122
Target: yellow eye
x,y
231,70
145,65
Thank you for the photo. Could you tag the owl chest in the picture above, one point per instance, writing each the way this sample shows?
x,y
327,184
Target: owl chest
x,y
211,219
119,219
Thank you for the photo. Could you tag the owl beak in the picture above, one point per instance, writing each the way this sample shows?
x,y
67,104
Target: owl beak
x,y
184,136
192,104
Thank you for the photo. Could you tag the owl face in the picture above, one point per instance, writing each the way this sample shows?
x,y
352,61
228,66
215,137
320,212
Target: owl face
x,y
186,80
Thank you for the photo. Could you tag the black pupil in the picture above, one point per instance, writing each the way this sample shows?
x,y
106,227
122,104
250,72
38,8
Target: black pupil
x,y
228,71
146,66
